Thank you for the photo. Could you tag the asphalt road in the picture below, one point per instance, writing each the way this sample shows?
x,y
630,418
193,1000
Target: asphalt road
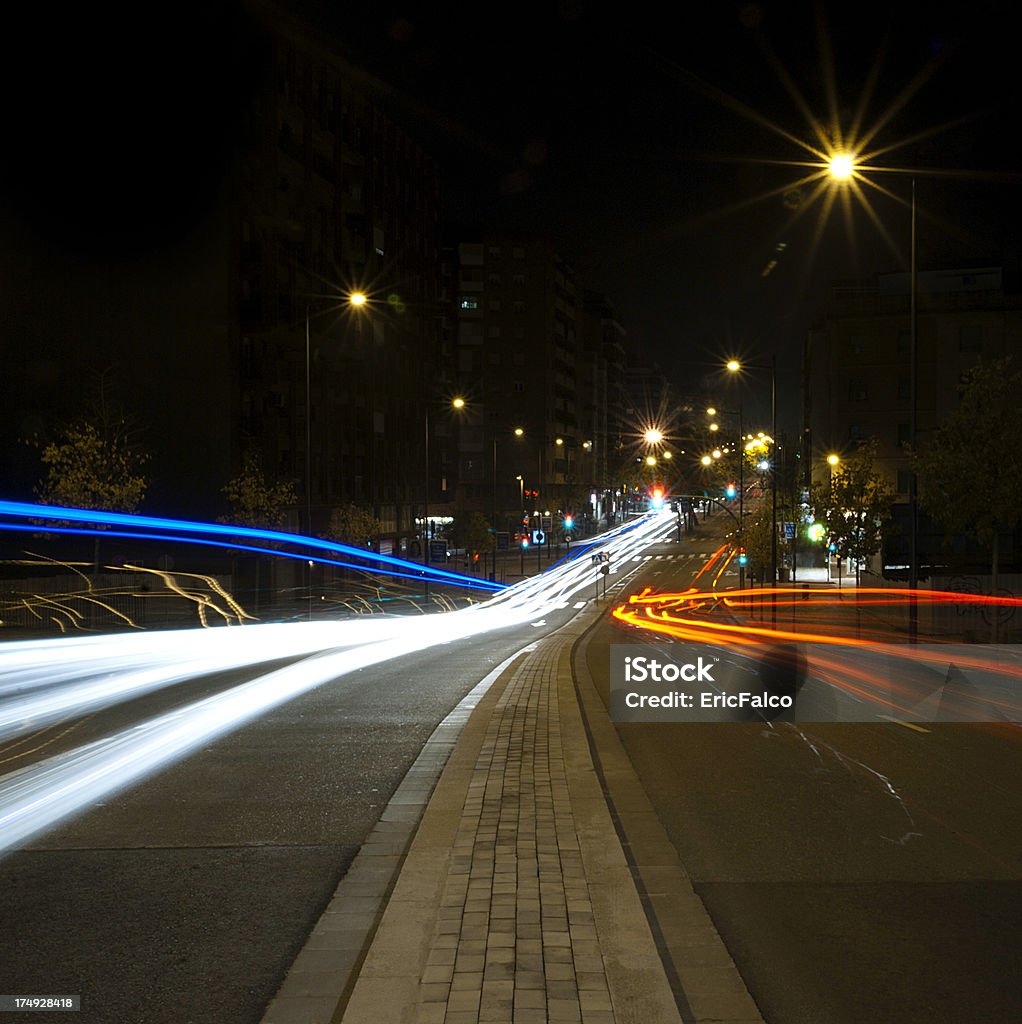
x,y
856,872
187,897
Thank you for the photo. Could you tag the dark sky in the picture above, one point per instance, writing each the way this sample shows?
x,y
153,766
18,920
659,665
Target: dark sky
x,y
636,135
632,134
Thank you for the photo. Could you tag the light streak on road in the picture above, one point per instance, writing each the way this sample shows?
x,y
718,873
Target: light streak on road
x,y
26,517
878,669
42,682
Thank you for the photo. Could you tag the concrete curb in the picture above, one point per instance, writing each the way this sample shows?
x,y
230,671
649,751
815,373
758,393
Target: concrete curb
x,y
705,982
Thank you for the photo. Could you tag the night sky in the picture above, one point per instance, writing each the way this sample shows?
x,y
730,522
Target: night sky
x,y
630,135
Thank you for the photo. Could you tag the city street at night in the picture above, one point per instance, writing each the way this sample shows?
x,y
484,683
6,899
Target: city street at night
x,y
511,515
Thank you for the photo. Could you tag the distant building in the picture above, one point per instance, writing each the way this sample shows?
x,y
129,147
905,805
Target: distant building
x,y
857,373
541,365
857,381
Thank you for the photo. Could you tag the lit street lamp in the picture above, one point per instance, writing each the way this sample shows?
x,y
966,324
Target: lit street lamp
x,y
355,300
734,366
843,170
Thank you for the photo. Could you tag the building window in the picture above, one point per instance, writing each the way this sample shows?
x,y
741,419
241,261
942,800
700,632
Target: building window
x,y
519,386
519,280
905,387
904,341
518,253
518,307
468,302
904,484
904,435
857,344
857,390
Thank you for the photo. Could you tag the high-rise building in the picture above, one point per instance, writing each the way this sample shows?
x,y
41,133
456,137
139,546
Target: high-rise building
x,y
225,320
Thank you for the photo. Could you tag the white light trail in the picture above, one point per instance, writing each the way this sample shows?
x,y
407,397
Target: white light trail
x,y
44,681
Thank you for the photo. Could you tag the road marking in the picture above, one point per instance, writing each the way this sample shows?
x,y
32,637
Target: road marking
x,y
542,622
908,725
580,604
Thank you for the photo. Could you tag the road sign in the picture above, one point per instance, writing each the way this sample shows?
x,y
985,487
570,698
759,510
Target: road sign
x,y
789,531
538,537
438,551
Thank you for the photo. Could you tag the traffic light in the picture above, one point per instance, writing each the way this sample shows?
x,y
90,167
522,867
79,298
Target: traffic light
x,y
657,496
569,522
743,558
730,490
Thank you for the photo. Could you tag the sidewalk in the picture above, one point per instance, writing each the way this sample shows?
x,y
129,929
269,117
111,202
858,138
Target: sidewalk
x,y
516,901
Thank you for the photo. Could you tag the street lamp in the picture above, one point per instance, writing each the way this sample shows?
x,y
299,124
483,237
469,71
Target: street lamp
x,y
735,366
518,432
843,170
355,300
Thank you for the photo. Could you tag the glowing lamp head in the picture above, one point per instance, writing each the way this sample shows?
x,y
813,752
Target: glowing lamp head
x,y
833,460
841,166
357,299
733,365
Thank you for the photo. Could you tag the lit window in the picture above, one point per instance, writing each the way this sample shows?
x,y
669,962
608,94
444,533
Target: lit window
x,y
468,302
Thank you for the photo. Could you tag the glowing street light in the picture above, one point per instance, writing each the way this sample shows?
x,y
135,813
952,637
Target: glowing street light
x,y
841,166
653,436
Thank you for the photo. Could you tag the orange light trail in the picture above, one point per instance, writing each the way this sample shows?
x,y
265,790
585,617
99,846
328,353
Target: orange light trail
x,y
705,616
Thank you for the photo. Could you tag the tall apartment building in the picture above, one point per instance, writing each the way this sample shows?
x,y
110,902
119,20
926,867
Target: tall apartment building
x,y
230,330
539,364
335,199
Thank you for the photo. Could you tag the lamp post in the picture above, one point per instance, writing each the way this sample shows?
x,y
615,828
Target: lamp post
x,y
518,432
842,169
355,300
741,481
735,366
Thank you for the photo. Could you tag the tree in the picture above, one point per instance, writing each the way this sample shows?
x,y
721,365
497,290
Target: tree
x,y
855,504
354,524
471,531
970,474
96,461
756,541
255,502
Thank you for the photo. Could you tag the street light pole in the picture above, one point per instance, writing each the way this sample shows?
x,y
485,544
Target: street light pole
x,y
773,476
741,494
493,518
308,427
425,511
913,504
